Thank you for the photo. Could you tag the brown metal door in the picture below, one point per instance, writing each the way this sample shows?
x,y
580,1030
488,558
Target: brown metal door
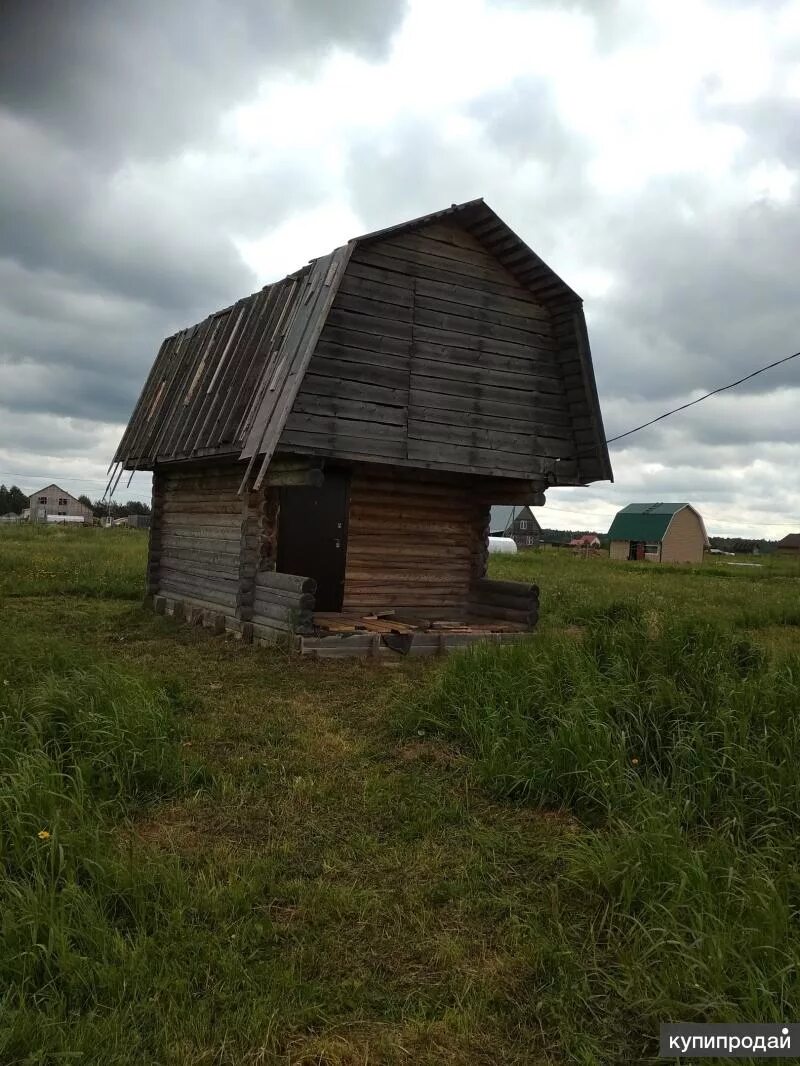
x,y
312,536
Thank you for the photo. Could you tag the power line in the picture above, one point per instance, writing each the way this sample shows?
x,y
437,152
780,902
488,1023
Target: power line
x,y
62,477
714,392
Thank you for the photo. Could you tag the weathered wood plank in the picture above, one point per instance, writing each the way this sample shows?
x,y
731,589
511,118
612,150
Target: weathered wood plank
x,y
343,407
345,446
458,290
383,327
339,426
488,373
552,418
523,445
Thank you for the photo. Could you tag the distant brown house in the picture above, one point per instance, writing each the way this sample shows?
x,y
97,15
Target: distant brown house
x,y
789,546
523,528
325,452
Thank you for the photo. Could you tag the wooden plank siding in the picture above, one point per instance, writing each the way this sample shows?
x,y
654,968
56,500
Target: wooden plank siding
x,y
414,546
434,356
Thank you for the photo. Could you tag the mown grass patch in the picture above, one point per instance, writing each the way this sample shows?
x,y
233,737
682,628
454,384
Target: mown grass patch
x,y
675,745
52,560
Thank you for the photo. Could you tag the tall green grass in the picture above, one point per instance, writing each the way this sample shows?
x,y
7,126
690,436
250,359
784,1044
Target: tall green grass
x,y
574,590
80,750
675,748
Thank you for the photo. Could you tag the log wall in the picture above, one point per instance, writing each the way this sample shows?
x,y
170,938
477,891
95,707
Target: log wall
x,y
212,551
283,605
198,535
414,546
506,601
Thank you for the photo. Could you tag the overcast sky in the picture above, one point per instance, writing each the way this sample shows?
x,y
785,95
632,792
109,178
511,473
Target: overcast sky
x,y
160,159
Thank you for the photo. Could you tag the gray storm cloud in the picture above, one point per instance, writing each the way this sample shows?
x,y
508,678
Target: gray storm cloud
x,y
121,219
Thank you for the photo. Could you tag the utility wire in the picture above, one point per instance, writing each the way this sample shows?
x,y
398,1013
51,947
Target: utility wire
x,y
714,392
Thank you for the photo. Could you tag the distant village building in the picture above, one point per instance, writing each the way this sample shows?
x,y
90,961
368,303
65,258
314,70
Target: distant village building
x,y
53,503
585,542
523,528
789,546
658,533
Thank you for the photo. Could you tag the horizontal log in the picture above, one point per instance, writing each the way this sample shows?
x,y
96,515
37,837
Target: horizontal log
x,y
280,597
513,603
395,595
282,615
410,575
212,519
213,573
406,512
205,597
205,507
361,550
206,545
407,525
263,631
211,578
201,582
507,588
425,494
266,579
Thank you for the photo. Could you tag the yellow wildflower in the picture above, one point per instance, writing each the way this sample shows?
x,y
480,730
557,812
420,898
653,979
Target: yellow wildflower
x,y
43,834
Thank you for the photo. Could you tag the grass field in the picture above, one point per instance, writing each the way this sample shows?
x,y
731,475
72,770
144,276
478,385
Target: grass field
x,y
219,854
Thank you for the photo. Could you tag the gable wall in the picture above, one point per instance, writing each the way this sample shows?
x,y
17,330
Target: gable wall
x,y
434,356
683,541
73,508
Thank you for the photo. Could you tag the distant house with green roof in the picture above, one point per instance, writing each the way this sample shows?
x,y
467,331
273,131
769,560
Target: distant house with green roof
x,y
658,533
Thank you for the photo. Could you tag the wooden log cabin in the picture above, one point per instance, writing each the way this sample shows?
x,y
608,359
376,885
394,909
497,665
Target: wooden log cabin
x,y
325,452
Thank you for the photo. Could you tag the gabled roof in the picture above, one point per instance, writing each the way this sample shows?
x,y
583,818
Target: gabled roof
x,y
648,521
527,515
57,488
791,540
227,385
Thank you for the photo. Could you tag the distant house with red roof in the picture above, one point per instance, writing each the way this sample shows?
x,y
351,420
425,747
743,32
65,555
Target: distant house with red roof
x,y
586,540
